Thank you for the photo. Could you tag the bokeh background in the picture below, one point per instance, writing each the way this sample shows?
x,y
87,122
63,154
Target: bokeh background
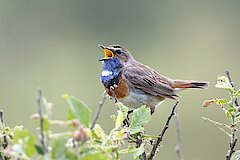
x,y
53,44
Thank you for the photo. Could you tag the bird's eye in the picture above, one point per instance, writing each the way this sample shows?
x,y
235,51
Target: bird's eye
x,y
118,51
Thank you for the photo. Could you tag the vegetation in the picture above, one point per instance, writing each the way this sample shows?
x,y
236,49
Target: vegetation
x,y
87,140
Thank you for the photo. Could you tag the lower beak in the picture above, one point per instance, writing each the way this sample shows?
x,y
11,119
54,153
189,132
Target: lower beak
x,y
108,53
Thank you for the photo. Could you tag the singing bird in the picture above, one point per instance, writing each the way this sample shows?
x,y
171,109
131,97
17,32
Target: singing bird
x,y
135,84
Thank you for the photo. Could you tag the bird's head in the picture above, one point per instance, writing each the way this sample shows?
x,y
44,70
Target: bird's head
x,y
116,51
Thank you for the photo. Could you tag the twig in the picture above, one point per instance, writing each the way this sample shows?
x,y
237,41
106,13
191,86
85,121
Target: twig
x,y
232,144
218,125
5,142
233,139
177,127
104,95
160,139
39,101
231,82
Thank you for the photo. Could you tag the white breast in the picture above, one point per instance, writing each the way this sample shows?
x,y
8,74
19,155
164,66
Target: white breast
x,y
106,73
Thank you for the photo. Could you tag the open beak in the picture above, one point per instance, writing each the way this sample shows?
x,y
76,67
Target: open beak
x,y
108,53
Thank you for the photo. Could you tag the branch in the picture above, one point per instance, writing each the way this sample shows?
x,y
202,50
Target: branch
x,y
231,82
177,127
160,139
5,141
104,95
233,140
39,101
232,144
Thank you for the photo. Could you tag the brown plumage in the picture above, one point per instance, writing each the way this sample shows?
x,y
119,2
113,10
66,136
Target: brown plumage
x,y
137,83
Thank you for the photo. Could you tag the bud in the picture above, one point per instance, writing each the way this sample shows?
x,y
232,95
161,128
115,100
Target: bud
x,y
206,103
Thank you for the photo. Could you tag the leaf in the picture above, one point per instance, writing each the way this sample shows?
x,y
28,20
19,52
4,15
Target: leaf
x,y
141,117
236,155
135,151
231,109
79,110
228,114
96,156
27,139
46,124
119,120
124,110
39,149
237,93
58,147
98,132
221,102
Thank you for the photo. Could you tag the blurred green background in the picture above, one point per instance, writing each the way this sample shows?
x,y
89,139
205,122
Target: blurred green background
x,y
53,44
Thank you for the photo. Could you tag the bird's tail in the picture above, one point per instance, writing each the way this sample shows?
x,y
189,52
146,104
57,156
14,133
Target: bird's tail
x,y
189,84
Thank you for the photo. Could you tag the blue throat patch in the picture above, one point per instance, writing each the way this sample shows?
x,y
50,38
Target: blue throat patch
x,y
111,71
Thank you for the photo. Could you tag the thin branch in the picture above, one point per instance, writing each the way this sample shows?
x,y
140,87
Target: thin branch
x,y
5,142
177,127
39,101
232,144
231,82
233,139
160,139
104,95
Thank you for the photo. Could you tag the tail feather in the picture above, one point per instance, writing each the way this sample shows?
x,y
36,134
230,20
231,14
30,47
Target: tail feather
x,y
190,84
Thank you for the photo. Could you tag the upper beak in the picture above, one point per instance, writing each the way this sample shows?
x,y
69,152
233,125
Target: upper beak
x,y
108,53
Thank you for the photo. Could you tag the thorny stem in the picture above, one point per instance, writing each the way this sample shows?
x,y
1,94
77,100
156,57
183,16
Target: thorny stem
x,y
104,95
39,101
233,139
177,127
160,139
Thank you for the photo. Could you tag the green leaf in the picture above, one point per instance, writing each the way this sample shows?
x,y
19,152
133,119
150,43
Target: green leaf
x,y
236,155
221,102
98,132
238,114
231,109
28,141
58,147
141,117
97,156
124,109
79,110
135,151
228,114
39,149
237,93
119,120
46,124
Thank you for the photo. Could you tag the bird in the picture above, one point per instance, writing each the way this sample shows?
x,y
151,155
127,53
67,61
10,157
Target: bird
x,y
135,84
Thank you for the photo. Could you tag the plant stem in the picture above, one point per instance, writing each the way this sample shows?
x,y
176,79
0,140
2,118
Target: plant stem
x,y
39,101
177,127
233,139
104,95
160,139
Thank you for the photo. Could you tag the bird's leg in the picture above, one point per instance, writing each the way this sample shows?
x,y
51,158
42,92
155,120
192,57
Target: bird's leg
x,y
152,110
126,121
113,95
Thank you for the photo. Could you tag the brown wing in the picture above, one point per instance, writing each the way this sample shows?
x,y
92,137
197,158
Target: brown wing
x,y
149,81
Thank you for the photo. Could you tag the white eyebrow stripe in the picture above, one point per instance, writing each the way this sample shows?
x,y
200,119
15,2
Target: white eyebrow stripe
x,y
106,73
